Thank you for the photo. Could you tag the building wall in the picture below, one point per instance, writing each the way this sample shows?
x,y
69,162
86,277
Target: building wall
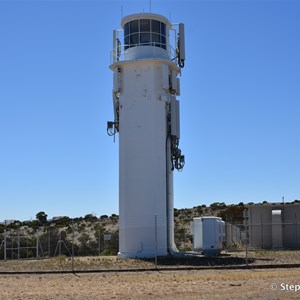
x,y
260,226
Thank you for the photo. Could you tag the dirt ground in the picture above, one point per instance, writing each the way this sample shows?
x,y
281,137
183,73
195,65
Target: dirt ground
x,y
63,263
200,284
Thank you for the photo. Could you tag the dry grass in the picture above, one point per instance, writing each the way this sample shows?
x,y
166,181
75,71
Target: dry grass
x,y
112,262
209,284
196,284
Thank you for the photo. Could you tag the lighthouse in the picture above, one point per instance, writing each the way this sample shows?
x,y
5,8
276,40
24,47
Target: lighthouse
x,y
146,82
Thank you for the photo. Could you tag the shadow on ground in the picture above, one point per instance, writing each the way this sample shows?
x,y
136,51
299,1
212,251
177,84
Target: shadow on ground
x,y
222,260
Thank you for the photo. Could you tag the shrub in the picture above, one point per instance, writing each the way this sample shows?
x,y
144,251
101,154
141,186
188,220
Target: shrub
x,y
218,205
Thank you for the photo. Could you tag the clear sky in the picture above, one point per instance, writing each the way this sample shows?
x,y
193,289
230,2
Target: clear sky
x,y
240,104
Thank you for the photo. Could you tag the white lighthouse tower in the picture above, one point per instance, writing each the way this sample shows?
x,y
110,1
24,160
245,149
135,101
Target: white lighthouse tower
x,y
146,115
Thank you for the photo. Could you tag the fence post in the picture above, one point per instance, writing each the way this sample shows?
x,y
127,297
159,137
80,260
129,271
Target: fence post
x,y
184,238
73,237
246,233
37,245
155,219
49,243
99,242
5,257
18,241
296,231
59,245
12,245
261,232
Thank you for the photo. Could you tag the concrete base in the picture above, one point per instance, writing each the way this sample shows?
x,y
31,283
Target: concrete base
x,y
140,255
212,252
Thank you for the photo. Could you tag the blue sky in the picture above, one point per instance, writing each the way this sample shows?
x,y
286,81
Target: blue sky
x,y
240,103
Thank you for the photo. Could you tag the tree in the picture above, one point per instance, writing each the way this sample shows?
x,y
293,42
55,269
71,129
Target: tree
x,y
232,214
41,217
217,205
90,218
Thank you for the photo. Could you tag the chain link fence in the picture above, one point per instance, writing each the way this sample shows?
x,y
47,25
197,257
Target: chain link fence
x,y
87,246
256,236
49,242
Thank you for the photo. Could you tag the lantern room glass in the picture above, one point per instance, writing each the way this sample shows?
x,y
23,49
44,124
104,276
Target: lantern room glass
x,y
145,32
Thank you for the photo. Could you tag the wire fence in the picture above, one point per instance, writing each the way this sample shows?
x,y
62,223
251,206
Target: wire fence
x,y
81,247
46,243
51,242
256,236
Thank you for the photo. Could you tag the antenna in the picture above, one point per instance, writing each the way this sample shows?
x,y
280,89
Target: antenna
x,y
150,4
122,11
182,41
181,46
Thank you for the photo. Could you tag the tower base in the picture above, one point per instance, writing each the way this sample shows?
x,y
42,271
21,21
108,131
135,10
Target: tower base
x,y
141,254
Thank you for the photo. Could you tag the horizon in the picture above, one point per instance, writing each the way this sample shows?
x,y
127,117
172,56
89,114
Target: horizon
x,y
239,104
296,201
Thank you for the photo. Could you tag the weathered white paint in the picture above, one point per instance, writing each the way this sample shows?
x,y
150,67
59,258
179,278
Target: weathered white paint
x,y
145,175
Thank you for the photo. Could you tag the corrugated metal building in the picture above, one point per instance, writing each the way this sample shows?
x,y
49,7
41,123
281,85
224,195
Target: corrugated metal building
x,y
233,235
274,226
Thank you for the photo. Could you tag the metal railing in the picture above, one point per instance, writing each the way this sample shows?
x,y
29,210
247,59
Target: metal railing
x,y
154,51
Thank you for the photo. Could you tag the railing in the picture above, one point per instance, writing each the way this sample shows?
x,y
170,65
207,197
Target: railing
x,y
155,50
